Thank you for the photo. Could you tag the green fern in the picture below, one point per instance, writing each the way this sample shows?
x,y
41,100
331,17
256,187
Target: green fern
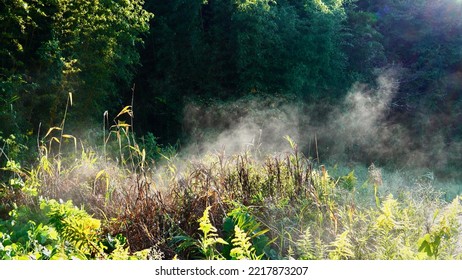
x,y
342,249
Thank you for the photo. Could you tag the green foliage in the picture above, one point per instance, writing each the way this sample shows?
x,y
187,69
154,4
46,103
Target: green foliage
x,y
59,54
278,207
29,185
305,247
198,51
249,229
243,237
223,50
411,33
364,49
349,181
96,41
208,243
342,249
209,239
58,231
242,247
12,147
74,225
446,228
50,48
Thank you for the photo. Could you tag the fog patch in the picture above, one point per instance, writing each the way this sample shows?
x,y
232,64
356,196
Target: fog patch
x,y
258,124
359,129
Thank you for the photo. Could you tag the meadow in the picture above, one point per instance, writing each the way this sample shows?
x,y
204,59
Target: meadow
x,y
131,198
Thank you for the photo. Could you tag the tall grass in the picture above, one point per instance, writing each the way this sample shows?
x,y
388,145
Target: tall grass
x,y
238,206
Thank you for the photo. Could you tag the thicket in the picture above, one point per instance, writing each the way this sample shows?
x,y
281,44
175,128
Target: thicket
x,y
97,204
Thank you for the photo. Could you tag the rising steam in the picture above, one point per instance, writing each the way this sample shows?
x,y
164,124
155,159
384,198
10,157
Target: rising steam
x,y
358,129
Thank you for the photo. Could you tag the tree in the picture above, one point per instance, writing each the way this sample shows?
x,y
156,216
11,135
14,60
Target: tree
x,y
87,47
364,48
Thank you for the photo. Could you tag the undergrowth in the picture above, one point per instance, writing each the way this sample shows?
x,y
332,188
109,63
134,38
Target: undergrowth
x,y
122,201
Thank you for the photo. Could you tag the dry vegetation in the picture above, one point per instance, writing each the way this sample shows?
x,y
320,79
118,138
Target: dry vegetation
x,y
215,207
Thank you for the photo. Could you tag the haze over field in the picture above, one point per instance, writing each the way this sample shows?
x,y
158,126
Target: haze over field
x,y
358,129
230,129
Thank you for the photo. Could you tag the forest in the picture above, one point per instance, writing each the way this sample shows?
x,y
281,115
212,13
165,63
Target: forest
x,y
230,129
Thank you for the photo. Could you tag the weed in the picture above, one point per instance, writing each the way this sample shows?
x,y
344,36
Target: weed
x,y
137,199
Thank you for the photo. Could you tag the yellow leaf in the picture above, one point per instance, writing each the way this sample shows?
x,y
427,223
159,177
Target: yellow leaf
x,y
52,129
125,110
99,174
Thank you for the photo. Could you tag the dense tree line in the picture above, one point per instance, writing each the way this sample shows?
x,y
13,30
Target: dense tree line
x,y
227,49
50,48
203,50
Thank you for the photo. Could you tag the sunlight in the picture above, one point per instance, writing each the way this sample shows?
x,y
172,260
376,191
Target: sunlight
x,y
265,130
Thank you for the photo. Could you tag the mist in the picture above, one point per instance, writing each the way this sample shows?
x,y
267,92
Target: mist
x,y
361,129
257,124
